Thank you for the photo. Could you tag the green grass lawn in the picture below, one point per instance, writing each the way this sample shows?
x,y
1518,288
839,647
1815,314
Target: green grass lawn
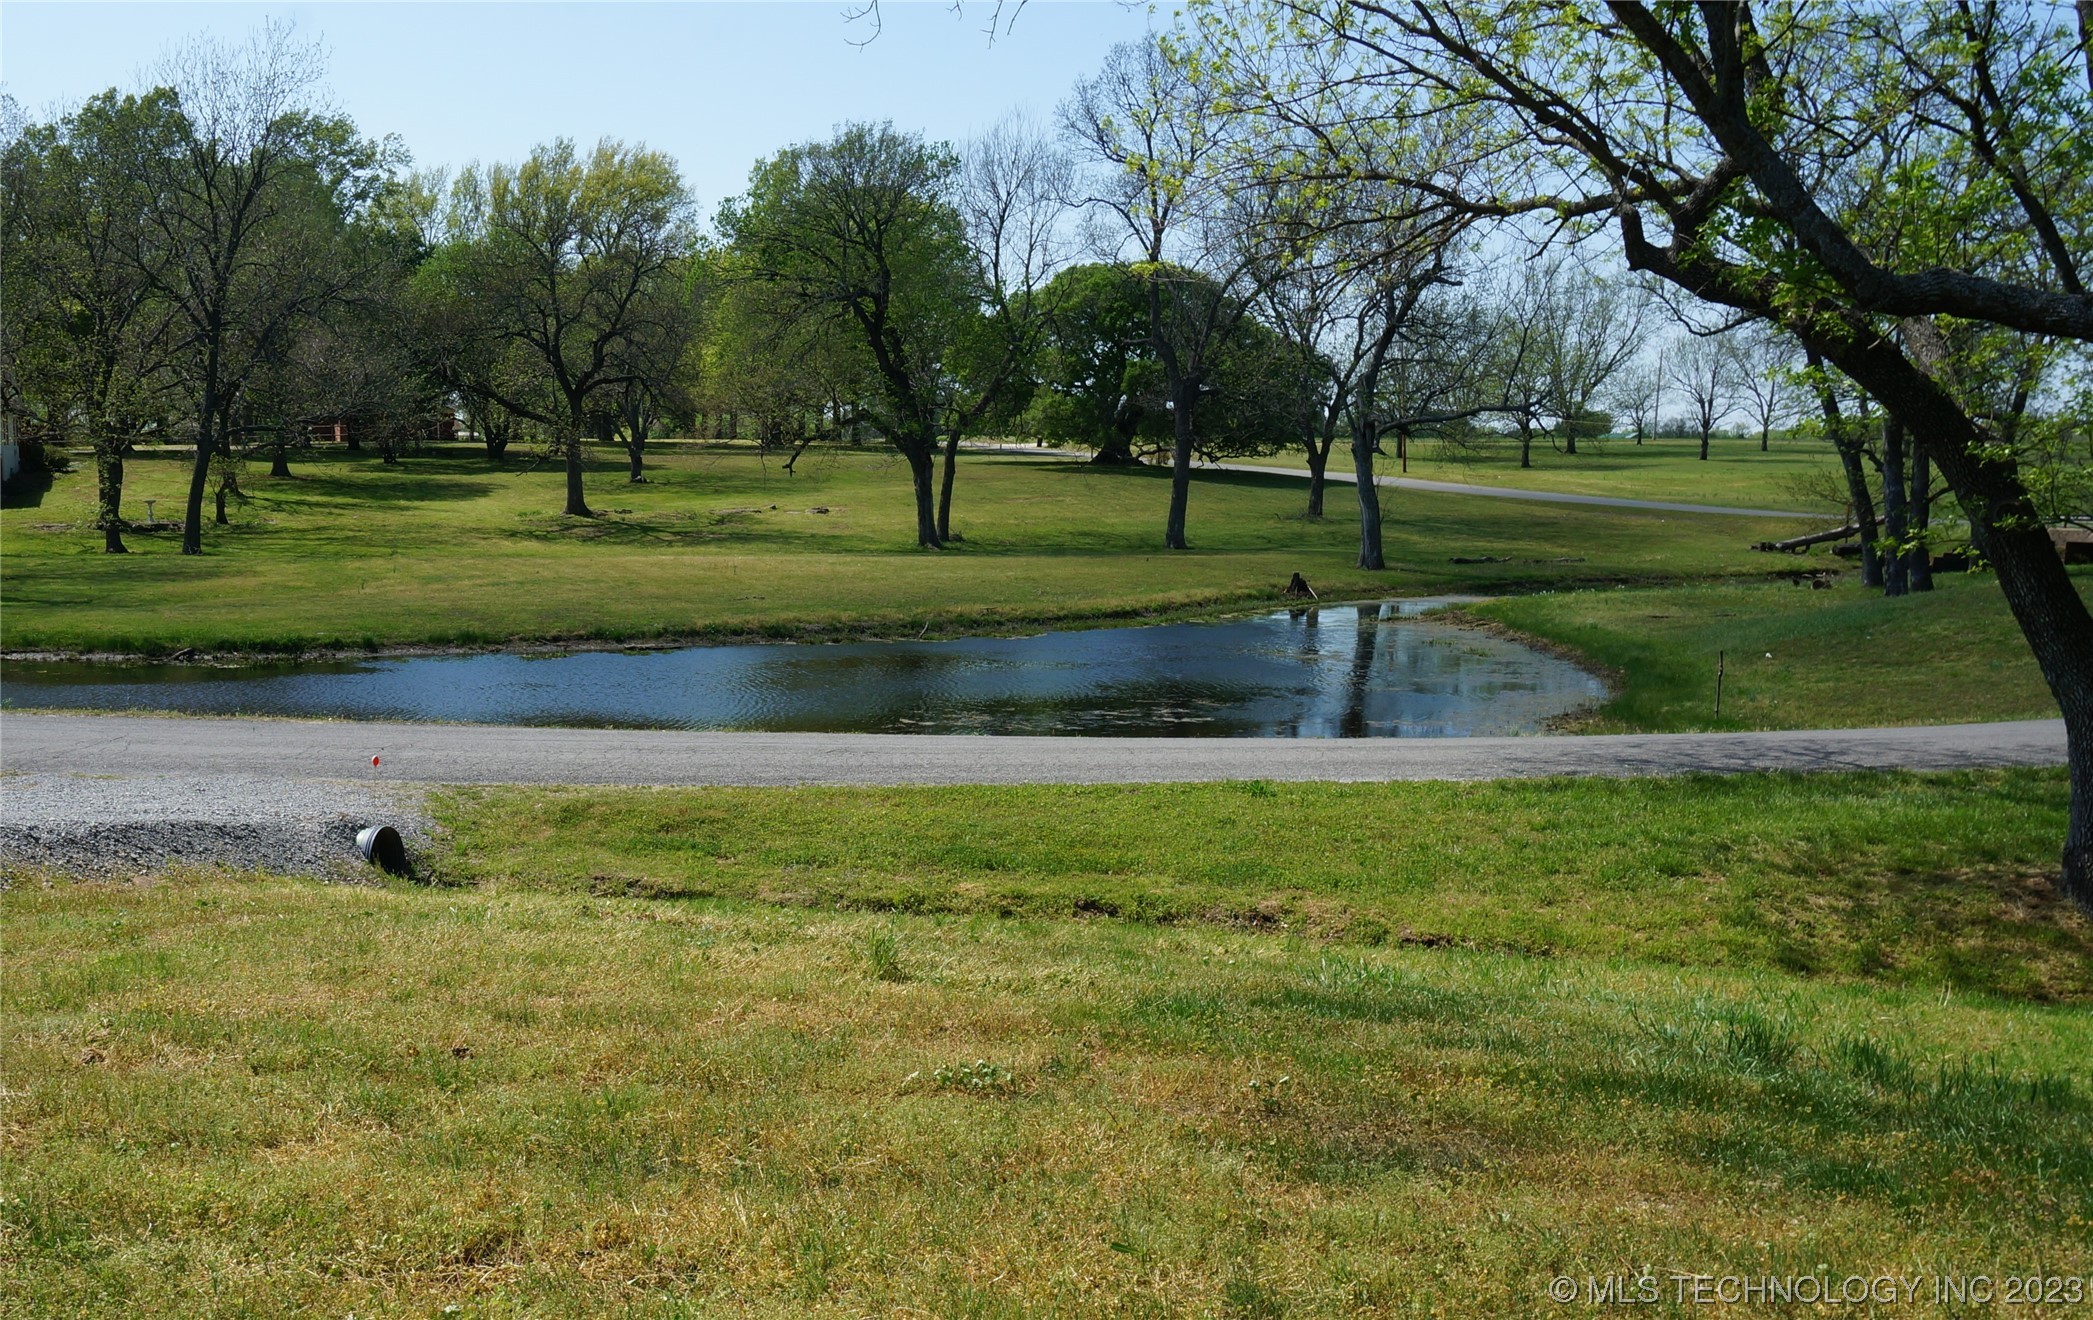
x,y
1799,474
450,549
1811,1034
1934,880
1794,658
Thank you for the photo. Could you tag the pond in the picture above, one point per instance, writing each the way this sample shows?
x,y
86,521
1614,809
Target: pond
x,y
1371,671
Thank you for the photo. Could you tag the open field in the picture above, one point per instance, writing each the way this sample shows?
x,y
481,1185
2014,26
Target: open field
x,y
1800,474
244,1095
449,549
1794,658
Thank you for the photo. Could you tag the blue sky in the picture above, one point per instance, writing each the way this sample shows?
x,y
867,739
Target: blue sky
x,y
716,84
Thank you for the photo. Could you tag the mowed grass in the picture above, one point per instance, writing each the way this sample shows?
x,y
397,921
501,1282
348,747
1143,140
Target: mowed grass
x,y
449,549
1794,658
1941,881
1800,473
232,1097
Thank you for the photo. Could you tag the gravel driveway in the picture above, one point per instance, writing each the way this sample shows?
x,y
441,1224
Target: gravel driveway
x,y
127,825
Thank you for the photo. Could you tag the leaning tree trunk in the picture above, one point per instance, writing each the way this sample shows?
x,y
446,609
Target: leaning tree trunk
x,y
1845,441
1363,441
2007,530
1118,447
109,496
200,473
944,495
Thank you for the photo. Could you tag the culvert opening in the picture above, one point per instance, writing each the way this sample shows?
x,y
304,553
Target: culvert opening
x,y
382,848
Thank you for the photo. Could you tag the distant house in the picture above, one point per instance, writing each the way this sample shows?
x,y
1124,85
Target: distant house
x,y
10,452
355,429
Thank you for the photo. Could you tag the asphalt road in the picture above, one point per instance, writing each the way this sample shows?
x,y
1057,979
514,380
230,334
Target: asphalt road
x,y
477,754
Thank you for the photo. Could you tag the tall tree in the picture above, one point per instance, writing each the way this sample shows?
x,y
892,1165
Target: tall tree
x,y
560,255
1100,384
862,230
1703,370
89,340
245,194
1592,327
1012,187
657,357
1764,362
1157,141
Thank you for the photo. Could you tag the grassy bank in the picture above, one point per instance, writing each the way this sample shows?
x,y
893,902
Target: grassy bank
x,y
448,549
390,1102
1934,880
1794,658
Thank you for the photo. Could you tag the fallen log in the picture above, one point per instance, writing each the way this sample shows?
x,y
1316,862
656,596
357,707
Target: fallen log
x,y
1796,545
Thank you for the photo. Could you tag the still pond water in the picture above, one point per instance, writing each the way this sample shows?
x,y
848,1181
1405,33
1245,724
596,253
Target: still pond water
x,y
1369,671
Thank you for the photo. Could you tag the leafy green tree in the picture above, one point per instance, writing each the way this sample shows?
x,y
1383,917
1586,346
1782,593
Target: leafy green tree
x,y
1158,143
559,259
861,232
89,342
247,189
1099,383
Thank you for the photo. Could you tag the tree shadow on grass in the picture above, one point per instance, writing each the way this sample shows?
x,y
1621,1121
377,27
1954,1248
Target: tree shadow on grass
x,y
415,488
27,490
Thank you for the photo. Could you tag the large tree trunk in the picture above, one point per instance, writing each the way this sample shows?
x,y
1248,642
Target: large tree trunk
x,y
1118,447
2005,526
922,470
1180,470
109,497
280,457
1525,445
577,506
636,445
1363,440
1704,443
944,495
1863,501
1895,580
